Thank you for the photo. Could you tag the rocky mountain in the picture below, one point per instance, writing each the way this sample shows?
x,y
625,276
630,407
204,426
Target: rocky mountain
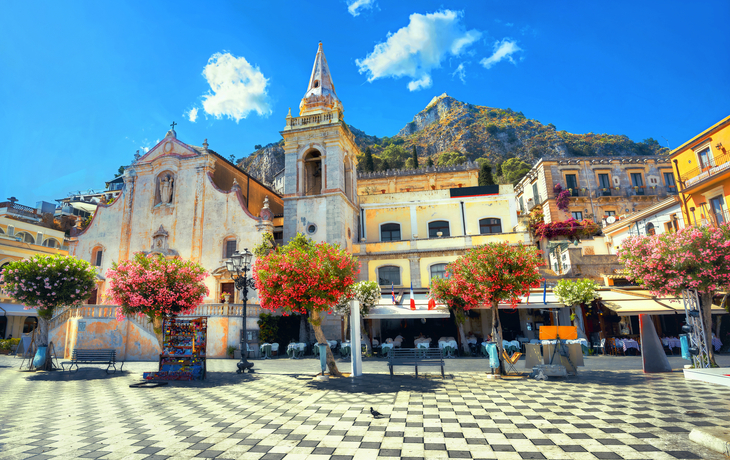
x,y
465,131
264,163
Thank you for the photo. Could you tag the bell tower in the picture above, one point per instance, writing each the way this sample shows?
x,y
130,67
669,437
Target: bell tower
x,y
320,178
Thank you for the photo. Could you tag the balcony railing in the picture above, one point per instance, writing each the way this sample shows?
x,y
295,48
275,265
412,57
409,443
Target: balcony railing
x,y
716,166
19,209
311,120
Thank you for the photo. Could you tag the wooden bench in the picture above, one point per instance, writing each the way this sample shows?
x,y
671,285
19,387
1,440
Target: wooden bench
x,y
416,357
103,356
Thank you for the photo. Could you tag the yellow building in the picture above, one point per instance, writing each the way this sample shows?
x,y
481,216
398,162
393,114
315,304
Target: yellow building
x,y
22,235
702,167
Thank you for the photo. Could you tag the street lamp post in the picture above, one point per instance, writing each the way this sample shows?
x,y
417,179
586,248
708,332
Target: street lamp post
x,y
238,266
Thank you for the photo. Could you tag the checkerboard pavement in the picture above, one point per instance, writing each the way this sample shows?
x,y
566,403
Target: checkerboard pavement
x,y
599,415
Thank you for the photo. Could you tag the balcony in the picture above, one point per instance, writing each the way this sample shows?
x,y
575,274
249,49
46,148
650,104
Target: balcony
x,y
311,120
717,165
18,210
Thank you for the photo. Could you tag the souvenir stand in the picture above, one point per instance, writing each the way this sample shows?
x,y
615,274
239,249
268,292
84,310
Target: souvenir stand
x,y
183,350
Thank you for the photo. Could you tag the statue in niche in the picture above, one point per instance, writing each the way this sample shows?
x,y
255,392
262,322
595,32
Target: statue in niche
x,y
166,189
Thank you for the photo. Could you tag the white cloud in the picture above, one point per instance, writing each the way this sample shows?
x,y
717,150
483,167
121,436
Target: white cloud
x,y
237,88
502,50
460,72
192,114
415,50
509,24
354,6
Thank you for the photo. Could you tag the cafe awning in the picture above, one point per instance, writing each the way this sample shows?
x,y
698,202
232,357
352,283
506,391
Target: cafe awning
x,y
387,310
15,309
638,302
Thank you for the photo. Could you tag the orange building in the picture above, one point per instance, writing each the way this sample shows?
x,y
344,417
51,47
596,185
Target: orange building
x,y
702,167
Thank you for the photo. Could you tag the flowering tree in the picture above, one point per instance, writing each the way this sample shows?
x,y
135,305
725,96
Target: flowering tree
x,y
695,258
367,293
156,287
47,283
305,277
574,294
490,274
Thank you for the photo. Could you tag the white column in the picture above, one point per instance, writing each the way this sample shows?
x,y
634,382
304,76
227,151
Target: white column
x,y
356,350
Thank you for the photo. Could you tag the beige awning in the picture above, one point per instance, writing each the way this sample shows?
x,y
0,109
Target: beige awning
x,y
389,311
639,302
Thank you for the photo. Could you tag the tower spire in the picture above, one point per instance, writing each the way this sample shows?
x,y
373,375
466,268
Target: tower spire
x,y
321,90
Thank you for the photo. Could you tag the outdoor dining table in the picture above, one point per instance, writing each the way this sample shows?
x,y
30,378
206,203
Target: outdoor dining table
x,y
671,342
627,343
296,350
717,343
449,347
385,348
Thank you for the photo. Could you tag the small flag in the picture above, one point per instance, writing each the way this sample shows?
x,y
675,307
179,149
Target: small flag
x,y
544,292
392,290
413,301
431,301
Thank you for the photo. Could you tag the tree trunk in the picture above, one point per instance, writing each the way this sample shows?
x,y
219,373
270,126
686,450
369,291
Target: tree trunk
x,y
497,334
366,337
464,343
317,325
157,327
579,322
41,340
303,330
347,335
706,298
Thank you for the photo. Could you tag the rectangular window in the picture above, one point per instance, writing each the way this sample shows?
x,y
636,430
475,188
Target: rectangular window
x,y
535,194
718,209
669,179
577,215
438,271
705,159
610,213
97,262
604,181
522,205
572,181
230,248
637,180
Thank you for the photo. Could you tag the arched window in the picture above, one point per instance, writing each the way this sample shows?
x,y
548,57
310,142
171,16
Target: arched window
x,y
650,230
51,243
96,256
229,247
390,232
389,275
490,225
438,271
25,237
312,173
30,323
437,226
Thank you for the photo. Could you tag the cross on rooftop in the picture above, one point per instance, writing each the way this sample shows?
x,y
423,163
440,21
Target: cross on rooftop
x,y
173,125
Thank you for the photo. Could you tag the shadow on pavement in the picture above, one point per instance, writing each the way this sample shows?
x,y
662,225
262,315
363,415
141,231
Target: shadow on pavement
x,y
81,374
378,383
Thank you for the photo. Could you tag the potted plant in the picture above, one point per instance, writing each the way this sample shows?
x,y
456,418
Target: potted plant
x,y
230,351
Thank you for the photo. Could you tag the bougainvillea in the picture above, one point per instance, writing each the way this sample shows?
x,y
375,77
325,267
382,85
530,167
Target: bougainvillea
x,y
47,282
156,287
692,258
570,228
562,197
492,274
304,276
443,291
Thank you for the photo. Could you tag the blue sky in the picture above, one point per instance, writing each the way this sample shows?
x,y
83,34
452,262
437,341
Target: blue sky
x,y
83,85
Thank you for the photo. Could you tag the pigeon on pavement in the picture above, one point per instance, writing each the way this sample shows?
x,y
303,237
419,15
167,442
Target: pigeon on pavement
x,y
375,413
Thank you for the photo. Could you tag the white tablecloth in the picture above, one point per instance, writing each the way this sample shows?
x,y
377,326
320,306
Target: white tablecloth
x,y
447,343
471,340
514,343
672,342
583,342
422,345
386,346
627,343
425,340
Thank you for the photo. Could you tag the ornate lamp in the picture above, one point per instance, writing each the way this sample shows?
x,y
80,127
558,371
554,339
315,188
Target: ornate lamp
x,y
238,266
